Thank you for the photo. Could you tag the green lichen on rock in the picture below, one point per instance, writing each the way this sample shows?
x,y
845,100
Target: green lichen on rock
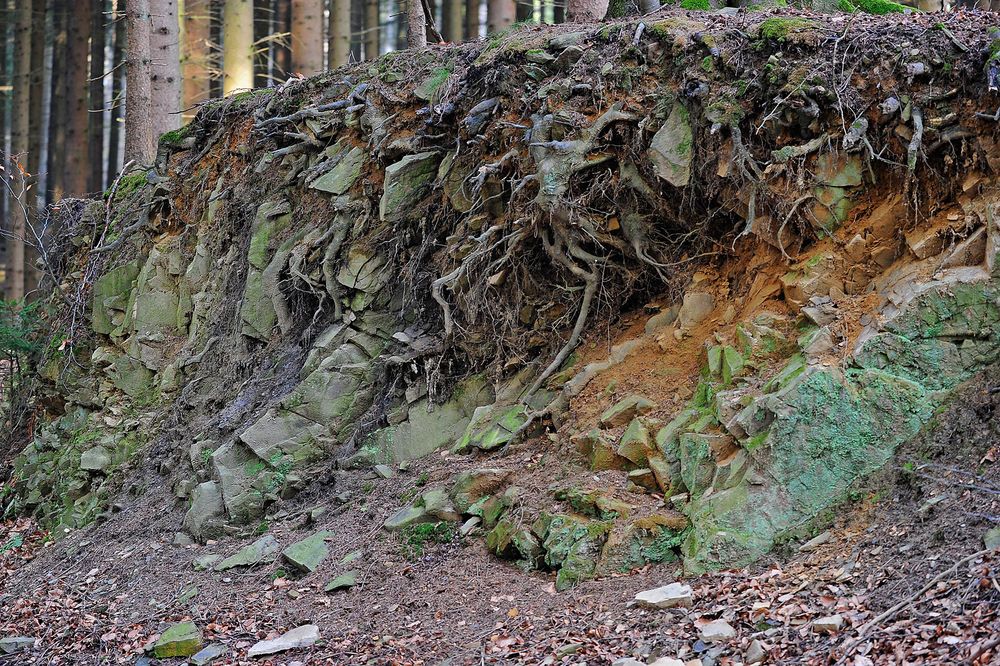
x,y
406,183
179,640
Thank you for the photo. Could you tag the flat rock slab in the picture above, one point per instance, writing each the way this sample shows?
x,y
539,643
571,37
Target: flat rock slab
x,y
307,554
13,644
299,637
669,596
208,653
179,640
829,625
344,581
261,551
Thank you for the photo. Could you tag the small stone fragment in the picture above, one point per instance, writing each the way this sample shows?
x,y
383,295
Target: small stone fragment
x,y
299,637
755,653
95,459
179,640
992,538
469,525
13,644
344,581
208,653
626,409
384,471
816,542
717,631
667,661
205,562
829,625
668,596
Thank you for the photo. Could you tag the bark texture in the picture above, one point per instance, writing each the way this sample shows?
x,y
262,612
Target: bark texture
x,y
416,25
196,34
75,173
307,36
237,42
472,18
372,29
96,116
499,15
164,47
584,11
340,33
118,72
19,127
140,142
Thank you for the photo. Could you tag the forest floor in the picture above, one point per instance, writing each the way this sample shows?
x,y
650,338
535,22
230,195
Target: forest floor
x,y
904,567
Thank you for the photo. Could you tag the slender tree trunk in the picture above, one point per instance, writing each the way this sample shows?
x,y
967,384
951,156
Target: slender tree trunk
x,y
140,142
357,29
372,29
165,65
307,35
558,11
76,171
119,73
472,18
429,19
340,34
524,11
452,20
95,139
57,105
499,15
35,127
282,26
19,146
5,82
586,11
196,36
261,31
237,43
416,25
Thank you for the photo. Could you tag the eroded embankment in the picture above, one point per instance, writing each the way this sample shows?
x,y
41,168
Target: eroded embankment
x,y
380,263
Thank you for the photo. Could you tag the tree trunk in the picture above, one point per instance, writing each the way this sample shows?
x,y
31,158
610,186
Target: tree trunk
x,y
282,26
525,10
5,25
558,11
118,72
35,128
196,34
430,18
649,6
472,19
140,142
307,35
237,44
499,15
452,20
95,139
586,11
372,29
19,146
357,28
75,170
261,32
165,65
340,34
416,25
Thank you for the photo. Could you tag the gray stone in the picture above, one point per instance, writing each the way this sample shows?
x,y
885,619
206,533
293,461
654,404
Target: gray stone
x,y
469,525
309,553
182,639
205,562
340,178
408,515
668,596
344,581
95,459
661,319
671,148
261,551
208,653
717,631
12,644
299,637
626,409
384,471
755,653
406,183
816,542
204,518
992,538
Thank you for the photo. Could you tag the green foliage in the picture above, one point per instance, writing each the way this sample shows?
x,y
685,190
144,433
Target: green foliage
x,y
879,7
127,185
696,5
19,325
416,538
15,541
